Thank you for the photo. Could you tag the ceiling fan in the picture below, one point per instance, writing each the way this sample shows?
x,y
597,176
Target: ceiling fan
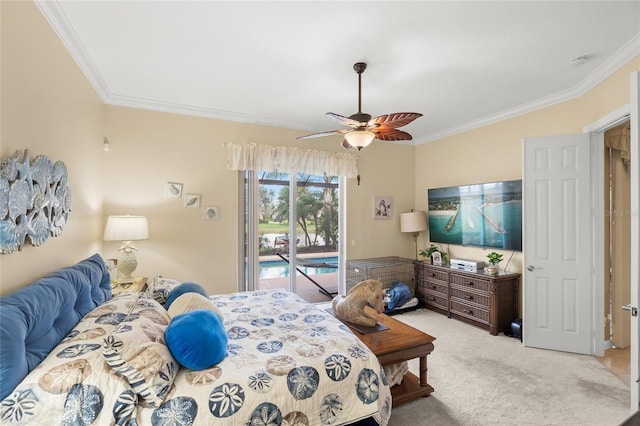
x,y
363,128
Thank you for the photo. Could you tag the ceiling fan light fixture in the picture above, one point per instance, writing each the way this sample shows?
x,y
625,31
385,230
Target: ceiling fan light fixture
x,y
359,138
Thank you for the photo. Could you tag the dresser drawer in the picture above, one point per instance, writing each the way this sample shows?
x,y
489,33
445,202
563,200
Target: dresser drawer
x,y
470,282
470,297
434,299
434,286
468,311
432,275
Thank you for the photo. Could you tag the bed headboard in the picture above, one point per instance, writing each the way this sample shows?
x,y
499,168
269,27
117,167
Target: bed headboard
x,y
34,319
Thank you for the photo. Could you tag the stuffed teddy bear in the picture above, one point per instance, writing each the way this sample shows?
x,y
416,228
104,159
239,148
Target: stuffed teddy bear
x,y
350,308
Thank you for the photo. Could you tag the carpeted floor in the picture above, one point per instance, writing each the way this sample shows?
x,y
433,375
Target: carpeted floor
x,y
481,380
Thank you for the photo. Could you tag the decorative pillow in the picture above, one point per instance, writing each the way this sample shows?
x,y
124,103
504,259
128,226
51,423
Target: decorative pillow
x,y
191,302
160,288
182,289
136,349
399,294
197,339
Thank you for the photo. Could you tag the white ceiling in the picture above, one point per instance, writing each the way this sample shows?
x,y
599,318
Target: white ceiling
x,y
287,63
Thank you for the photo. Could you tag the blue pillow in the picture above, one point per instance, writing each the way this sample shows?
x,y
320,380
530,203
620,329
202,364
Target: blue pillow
x,y
197,339
399,294
182,289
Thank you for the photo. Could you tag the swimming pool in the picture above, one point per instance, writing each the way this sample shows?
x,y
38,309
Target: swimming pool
x,y
280,268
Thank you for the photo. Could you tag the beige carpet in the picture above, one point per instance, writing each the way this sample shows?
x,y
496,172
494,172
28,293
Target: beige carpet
x,y
481,379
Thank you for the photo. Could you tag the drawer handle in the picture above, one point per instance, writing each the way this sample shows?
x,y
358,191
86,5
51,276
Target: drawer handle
x,y
469,297
433,299
432,274
433,287
470,283
468,311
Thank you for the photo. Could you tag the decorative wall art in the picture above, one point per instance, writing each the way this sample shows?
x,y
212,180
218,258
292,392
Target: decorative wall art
x,y
382,207
35,200
192,201
173,190
211,213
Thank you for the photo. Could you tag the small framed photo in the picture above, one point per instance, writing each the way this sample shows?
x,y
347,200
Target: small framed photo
x,y
173,190
210,213
382,207
436,258
192,201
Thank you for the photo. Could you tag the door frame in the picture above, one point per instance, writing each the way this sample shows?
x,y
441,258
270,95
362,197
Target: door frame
x,y
248,248
596,131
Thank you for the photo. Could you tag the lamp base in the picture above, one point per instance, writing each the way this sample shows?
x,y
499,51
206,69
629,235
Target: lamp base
x,y
127,262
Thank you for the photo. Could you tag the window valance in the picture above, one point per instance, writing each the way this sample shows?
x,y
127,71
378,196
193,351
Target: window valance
x,y
289,159
620,139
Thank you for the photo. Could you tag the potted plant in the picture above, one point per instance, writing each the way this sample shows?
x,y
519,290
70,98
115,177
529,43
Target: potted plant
x,y
429,253
494,259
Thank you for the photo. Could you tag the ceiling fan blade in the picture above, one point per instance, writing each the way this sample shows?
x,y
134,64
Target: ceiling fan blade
x,y
345,144
322,134
390,134
395,120
345,121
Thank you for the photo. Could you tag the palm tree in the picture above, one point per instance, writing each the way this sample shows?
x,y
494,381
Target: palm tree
x,y
308,206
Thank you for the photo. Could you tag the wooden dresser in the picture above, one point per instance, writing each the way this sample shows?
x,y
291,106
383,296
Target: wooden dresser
x,y
488,301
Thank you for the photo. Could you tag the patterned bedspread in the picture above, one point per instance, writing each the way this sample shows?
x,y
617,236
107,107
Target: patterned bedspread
x,y
288,363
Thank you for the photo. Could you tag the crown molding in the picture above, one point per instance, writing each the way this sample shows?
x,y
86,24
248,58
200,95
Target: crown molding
x,y
57,19
59,22
614,62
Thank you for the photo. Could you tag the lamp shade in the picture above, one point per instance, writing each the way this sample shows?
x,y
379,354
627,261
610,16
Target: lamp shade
x,y
413,222
126,228
359,138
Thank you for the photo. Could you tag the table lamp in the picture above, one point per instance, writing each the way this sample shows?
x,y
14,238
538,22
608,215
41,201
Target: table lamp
x,y
414,222
126,229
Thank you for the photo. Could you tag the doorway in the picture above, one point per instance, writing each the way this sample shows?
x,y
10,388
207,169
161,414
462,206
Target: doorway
x,y
295,218
617,248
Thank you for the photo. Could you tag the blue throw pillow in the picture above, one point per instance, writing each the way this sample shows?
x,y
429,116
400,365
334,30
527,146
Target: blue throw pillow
x,y
197,339
182,289
399,294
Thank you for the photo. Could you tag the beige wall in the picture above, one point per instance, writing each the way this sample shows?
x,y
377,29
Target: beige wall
x,y
49,108
386,170
149,149
494,152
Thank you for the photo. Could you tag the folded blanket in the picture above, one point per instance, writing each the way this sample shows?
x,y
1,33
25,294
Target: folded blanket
x,y
412,303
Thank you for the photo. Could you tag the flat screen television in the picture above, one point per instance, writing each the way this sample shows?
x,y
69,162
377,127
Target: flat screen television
x,y
484,215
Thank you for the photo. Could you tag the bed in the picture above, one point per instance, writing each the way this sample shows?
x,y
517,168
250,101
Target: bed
x,y
71,354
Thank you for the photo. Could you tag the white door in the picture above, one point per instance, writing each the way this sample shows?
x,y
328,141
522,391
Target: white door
x,y
635,235
557,275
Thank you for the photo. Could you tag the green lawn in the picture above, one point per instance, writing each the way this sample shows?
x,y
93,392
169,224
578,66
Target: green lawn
x,y
280,228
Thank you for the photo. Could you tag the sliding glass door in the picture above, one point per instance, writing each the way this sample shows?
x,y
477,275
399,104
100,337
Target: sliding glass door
x,y
292,233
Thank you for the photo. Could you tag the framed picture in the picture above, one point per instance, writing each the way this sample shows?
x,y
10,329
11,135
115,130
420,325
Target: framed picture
x,y
173,190
211,213
192,201
436,258
382,207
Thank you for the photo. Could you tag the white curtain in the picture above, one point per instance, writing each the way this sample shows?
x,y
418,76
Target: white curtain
x,y
288,160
